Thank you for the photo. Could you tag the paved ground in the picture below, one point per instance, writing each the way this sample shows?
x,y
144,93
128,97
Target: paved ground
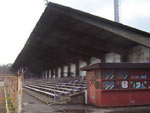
x,y
2,102
32,105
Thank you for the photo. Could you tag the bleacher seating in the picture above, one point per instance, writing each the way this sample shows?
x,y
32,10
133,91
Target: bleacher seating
x,y
57,87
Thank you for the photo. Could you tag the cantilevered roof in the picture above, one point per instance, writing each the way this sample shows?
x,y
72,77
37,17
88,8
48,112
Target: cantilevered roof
x,y
64,35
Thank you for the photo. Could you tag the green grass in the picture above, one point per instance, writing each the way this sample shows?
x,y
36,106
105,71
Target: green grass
x,y
10,104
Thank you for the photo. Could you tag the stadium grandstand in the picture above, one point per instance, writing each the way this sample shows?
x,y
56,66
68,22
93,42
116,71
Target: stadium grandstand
x,y
63,41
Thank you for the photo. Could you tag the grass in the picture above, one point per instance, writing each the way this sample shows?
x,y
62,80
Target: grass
x,y
10,104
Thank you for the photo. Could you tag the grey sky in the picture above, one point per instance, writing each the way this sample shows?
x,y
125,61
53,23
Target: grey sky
x,y
19,17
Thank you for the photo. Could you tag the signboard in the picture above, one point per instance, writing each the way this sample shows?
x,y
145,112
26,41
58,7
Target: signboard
x,y
124,84
1,83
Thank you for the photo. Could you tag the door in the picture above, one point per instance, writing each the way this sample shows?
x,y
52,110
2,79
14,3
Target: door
x,y
92,88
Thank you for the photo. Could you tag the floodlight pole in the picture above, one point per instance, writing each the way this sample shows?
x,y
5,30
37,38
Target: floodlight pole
x,y
116,10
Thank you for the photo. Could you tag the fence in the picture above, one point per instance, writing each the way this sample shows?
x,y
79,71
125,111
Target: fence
x,y
12,86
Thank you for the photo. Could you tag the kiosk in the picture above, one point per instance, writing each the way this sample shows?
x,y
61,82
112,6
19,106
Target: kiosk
x,y
118,84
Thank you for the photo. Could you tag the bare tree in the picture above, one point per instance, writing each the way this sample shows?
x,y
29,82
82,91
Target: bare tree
x,y
5,68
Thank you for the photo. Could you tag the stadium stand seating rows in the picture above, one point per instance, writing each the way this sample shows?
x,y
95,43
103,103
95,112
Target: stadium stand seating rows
x,y
57,87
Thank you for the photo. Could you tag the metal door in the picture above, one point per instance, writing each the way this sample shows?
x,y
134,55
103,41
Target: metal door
x,y
92,88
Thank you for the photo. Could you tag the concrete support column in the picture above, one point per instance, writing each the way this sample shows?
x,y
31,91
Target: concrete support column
x,y
112,58
49,73
139,54
73,69
65,68
94,60
82,64
59,71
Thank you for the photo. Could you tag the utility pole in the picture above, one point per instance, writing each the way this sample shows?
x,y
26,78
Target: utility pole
x,y
116,10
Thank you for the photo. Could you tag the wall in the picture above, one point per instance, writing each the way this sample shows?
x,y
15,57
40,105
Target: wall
x,y
78,98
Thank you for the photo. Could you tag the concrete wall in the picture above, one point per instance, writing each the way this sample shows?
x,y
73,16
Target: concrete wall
x,y
73,69
94,60
65,68
112,57
82,64
78,98
139,54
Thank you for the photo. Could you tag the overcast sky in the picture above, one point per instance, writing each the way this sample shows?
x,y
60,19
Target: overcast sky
x,y
18,18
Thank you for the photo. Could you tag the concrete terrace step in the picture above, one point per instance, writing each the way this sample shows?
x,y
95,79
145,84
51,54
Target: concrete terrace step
x,y
50,89
40,91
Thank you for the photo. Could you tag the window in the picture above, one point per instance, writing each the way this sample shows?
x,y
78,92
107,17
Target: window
x,y
108,75
143,76
138,84
122,84
135,76
122,75
108,85
123,79
108,82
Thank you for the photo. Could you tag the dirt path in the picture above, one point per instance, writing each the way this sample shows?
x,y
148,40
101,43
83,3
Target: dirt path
x,y
2,102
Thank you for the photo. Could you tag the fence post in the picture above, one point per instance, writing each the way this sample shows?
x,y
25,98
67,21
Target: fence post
x,y
54,91
20,99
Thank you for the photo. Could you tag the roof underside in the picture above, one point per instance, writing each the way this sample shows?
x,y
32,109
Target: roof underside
x,y
109,66
64,35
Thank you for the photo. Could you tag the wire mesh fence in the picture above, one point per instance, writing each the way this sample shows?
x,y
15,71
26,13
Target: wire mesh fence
x,y
10,91
2,100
